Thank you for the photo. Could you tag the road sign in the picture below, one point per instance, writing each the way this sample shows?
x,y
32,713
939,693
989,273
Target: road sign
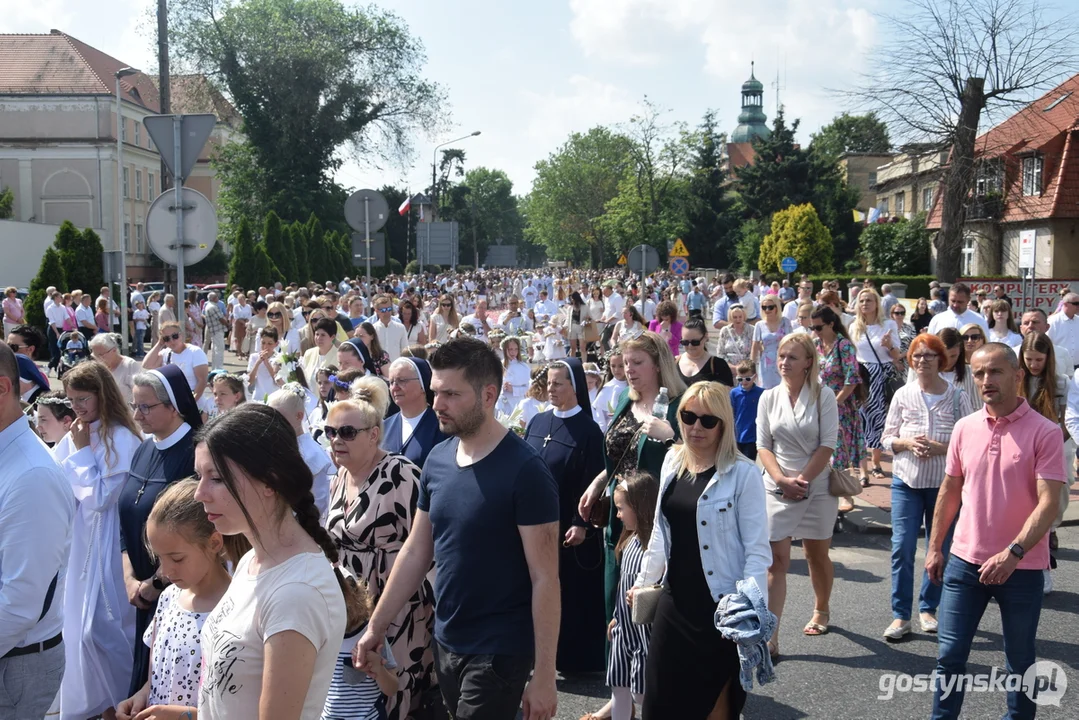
x,y
194,132
360,254
622,259
643,259
679,249
377,208
679,265
1026,249
199,227
788,264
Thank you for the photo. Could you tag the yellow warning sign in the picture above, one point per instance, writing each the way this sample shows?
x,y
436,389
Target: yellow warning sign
x,y
679,249
622,259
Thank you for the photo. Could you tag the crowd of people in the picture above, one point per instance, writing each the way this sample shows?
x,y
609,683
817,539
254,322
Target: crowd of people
x,y
633,458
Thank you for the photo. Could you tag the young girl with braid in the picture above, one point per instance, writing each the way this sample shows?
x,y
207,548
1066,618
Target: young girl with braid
x,y
270,645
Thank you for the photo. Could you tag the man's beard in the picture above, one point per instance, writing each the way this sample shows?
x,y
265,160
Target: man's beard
x,y
468,424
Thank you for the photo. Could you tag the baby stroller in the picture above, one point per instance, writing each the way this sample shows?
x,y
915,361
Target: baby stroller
x,y
73,350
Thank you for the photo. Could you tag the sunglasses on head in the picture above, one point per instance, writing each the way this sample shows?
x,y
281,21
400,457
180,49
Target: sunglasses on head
x,y
688,343
348,433
708,422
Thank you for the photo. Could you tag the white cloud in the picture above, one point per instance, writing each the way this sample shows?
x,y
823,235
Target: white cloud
x,y
586,102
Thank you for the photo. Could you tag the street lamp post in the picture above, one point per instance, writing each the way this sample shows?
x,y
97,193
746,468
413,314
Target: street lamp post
x,y
120,74
434,194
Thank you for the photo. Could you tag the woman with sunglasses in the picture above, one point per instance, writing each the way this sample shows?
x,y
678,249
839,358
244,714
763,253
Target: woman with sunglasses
x,y
710,532
279,318
839,372
445,320
876,340
767,335
898,314
372,503
973,338
954,367
1002,327
920,422
695,364
736,337
797,428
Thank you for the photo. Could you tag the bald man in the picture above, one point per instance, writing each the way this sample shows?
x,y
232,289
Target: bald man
x,y
1064,326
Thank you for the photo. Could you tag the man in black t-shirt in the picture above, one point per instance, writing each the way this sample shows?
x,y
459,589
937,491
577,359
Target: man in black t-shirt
x,y
488,514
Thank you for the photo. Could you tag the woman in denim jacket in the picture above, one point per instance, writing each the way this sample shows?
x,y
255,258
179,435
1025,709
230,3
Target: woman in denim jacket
x,y
710,531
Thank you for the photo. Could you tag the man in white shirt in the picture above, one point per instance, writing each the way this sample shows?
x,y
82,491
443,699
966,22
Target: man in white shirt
x,y
805,292
170,349
958,313
56,315
612,305
49,292
392,334
646,306
513,321
545,306
137,295
84,316
529,294
37,512
1033,321
1064,328
480,320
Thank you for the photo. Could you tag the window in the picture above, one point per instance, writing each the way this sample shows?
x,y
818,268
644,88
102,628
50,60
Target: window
x,y
1032,175
138,134
883,206
123,129
900,203
873,179
126,193
138,183
127,237
149,141
927,199
966,264
138,238
989,178
150,190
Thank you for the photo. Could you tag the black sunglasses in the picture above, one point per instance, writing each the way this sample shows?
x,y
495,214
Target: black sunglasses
x,y
446,304
174,336
348,433
688,343
816,328
972,338
273,315
708,422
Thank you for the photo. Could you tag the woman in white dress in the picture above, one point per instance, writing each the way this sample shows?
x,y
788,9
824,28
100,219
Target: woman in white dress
x,y
607,398
876,343
797,428
736,337
99,619
630,327
535,400
515,375
444,321
279,318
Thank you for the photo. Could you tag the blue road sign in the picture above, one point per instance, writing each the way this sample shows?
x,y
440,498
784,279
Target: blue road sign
x,y
679,265
788,264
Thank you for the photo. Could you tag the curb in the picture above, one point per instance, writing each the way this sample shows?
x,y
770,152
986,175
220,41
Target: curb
x,y
869,519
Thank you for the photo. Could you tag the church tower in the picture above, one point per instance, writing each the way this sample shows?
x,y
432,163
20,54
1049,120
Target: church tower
x,y
752,121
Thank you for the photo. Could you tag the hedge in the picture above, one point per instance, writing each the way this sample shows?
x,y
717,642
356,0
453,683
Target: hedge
x,y
917,285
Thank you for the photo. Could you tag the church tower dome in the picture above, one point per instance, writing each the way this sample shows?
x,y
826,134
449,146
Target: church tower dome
x,y
752,121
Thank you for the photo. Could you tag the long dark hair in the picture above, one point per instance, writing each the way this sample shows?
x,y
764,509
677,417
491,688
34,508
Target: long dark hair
x,y
641,491
952,339
576,299
376,346
828,316
261,443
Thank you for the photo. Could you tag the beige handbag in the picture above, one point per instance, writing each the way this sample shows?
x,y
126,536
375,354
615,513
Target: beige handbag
x,y
645,602
841,484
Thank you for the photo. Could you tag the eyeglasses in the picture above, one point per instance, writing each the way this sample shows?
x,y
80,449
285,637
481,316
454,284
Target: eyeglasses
x,y
80,401
273,315
347,433
401,381
174,336
925,357
972,338
142,408
689,343
708,422
744,379
816,328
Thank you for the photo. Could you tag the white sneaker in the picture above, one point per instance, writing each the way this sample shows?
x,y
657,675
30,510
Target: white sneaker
x,y
1047,578
894,633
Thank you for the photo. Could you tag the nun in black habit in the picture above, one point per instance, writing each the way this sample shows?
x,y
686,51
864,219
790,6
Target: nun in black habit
x,y
571,444
168,415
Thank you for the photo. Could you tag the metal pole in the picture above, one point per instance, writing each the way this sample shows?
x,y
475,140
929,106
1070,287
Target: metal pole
x,y
178,182
367,243
427,253
120,219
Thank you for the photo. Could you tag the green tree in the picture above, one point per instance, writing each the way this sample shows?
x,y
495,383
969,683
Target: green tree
x,y
50,274
262,269
316,250
300,245
400,230
274,241
712,228
897,248
81,253
851,134
489,207
243,257
7,203
797,232
214,264
244,189
287,263
751,236
309,77
570,193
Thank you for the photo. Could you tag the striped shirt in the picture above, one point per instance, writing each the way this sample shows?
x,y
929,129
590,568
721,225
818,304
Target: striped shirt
x,y
909,416
353,694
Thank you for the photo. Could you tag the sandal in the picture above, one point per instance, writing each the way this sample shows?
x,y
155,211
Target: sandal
x,y
845,505
813,629
878,473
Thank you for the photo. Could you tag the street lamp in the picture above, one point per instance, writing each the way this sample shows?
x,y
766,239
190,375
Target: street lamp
x,y
120,74
434,195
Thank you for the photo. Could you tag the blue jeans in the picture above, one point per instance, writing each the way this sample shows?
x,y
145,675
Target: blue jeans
x,y
911,508
962,604
140,334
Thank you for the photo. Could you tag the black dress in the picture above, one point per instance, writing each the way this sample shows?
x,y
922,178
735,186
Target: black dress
x,y
572,448
689,662
152,470
715,370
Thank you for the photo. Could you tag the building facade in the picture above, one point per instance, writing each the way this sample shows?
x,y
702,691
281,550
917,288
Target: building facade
x,y
860,172
58,131
907,184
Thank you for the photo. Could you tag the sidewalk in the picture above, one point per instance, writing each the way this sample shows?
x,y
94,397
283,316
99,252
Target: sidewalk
x,y
873,508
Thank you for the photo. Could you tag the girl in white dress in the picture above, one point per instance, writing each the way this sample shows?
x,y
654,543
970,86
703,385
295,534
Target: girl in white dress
x,y
99,621
607,397
515,374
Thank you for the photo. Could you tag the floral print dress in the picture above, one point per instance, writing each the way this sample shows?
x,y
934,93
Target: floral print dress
x,y
369,532
839,367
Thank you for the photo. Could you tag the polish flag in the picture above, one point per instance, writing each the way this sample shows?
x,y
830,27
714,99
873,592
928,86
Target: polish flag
x,y
405,206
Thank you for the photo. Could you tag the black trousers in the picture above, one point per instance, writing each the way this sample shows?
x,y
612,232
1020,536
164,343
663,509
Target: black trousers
x,y
481,687
748,449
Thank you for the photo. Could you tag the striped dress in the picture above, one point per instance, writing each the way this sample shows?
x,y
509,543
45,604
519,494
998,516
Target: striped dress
x,y
629,642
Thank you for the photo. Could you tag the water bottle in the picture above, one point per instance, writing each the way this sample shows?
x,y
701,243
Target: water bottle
x,y
663,401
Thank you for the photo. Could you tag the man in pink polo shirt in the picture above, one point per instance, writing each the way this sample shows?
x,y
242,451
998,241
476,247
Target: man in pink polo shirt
x,y
1004,463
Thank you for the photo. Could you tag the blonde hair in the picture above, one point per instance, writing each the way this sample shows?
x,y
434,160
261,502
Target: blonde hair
x,y
715,398
371,396
858,327
807,344
660,352
177,511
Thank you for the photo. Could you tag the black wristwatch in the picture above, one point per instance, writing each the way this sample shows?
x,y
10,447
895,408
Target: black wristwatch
x,y
1017,550
159,583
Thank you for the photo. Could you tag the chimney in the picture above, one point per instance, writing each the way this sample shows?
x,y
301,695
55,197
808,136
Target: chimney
x,y
54,31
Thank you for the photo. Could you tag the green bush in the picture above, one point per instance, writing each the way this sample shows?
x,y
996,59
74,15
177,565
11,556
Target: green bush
x,y
797,232
899,247
465,268
413,267
50,274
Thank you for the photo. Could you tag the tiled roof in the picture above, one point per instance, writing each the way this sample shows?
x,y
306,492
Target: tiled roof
x,y
194,94
1048,126
741,154
58,64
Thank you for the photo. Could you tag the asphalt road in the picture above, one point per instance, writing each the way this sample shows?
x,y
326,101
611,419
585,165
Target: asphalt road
x,y
838,675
